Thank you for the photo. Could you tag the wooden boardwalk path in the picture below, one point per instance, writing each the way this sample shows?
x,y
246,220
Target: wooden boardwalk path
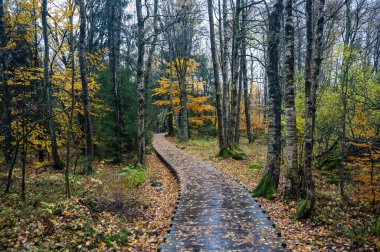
x,y
214,212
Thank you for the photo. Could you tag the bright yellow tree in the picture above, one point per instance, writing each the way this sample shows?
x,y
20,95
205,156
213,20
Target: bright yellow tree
x,y
169,91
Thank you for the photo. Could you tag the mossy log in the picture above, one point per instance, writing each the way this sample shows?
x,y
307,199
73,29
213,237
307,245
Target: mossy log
x,y
232,152
304,210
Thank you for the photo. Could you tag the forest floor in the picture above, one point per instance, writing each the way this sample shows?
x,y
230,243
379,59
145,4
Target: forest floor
x,y
334,226
104,214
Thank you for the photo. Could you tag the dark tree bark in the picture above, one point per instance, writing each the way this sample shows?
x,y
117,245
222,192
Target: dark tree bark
x,y
265,90
269,181
237,126
218,89
85,96
58,164
312,72
140,84
175,115
6,95
183,100
24,152
292,172
244,71
114,30
224,68
236,40
170,123
149,61
307,179
10,169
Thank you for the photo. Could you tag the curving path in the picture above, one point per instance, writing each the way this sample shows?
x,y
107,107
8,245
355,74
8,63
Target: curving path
x,y
213,211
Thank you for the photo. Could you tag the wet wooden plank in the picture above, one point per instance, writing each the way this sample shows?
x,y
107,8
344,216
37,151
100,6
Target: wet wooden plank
x,y
214,212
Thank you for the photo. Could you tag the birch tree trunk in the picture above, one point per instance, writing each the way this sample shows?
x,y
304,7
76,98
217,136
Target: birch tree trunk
x,y
219,108
224,68
140,85
270,179
312,72
85,97
292,172
237,126
58,164
307,180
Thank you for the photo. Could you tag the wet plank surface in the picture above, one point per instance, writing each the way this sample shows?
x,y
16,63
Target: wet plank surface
x,y
214,212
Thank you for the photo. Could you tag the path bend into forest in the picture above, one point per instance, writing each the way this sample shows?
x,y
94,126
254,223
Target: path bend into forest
x,y
213,212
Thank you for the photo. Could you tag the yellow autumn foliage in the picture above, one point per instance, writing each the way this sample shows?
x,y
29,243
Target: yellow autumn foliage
x,y
199,110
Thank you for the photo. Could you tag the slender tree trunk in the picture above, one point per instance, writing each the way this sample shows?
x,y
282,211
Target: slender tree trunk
x,y
85,96
10,169
140,85
224,68
265,95
91,29
292,172
344,87
184,110
71,114
270,179
170,123
307,180
311,85
58,164
39,91
114,62
244,71
299,44
24,152
218,88
237,127
318,50
6,95
236,40
149,61
175,115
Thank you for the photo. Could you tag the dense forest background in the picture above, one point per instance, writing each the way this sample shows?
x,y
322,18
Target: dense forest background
x,y
87,81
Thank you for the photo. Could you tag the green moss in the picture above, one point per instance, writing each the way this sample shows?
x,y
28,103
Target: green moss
x,y
377,227
266,188
107,240
300,214
233,152
223,153
255,166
